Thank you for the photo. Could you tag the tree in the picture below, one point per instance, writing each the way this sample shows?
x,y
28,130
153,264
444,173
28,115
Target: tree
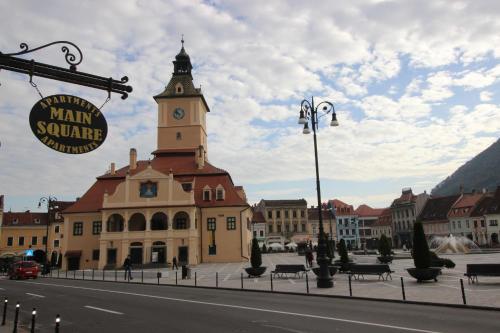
x,y
264,248
384,246
256,256
343,252
421,253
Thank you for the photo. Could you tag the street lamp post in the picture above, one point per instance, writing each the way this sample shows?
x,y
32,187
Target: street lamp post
x,y
49,200
309,112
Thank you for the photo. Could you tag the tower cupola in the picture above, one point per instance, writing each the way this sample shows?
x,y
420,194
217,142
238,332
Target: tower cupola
x,y
182,63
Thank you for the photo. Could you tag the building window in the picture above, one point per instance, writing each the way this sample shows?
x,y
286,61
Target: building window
x,y
302,213
269,214
483,224
347,232
56,242
15,221
467,224
77,228
10,241
255,234
341,232
454,226
206,195
261,233
44,240
295,228
188,187
37,221
287,227
278,227
294,213
56,229
231,223
270,228
211,225
21,240
278,214
303,227
178,136
95,255
34,240
96,227
493,223
212,250
286,214
459,224
219,194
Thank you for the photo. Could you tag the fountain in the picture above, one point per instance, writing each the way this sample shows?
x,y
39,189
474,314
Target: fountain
x,y
452,244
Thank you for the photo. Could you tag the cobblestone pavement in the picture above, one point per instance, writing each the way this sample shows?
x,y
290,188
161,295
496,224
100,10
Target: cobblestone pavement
x,y
229,275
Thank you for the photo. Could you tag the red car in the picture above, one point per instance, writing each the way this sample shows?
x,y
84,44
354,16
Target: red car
x,y
24,270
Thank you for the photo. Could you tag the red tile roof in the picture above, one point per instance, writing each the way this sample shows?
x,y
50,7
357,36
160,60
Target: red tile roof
x,y
258,217
385,218
24,219
182,164
312,214
341,208
365,211
406,197
436,209
465,204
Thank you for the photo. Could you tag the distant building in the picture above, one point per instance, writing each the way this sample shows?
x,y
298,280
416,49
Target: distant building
x,y
460,215
405,210
485,218
434,215
286,220
347,223
367,218
329,224
383,226
259,227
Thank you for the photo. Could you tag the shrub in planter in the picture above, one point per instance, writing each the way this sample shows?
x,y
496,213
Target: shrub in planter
x,y
422,257
255,260
384,246
421,254
343,252
264,249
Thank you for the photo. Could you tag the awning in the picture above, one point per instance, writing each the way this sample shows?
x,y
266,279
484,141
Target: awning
x,y
73,254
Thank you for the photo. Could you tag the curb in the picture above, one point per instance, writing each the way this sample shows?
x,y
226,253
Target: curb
x,y
449,305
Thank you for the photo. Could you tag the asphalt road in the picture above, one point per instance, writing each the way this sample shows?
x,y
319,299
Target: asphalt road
x,y
91,306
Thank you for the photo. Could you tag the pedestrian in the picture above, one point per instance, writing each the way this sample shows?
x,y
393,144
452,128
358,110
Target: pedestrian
x,y
306,255
174,263
310,258
127,265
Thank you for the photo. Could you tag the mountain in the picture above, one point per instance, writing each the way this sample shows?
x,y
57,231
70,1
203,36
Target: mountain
x,y
483,171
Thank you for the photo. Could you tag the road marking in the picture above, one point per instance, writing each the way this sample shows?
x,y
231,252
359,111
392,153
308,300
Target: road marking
x,y
306,315
101,309
227,277
36,295
291,281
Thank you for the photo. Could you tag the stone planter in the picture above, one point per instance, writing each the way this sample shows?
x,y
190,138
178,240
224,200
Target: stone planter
x,y
332,269
424,274
385,259
255,272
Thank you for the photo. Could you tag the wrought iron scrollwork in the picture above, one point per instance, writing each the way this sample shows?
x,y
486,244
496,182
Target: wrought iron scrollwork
x,y
69,56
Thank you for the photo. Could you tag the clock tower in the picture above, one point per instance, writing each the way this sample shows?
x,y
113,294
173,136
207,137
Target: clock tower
x,y
182,110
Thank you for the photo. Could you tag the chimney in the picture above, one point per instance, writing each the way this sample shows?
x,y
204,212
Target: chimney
x,y
112,170
461,189
133,159
200,157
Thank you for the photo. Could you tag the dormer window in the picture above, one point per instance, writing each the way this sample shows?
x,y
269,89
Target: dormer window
x,y
179,89
15,221
187,187
207,193
37,221
219,193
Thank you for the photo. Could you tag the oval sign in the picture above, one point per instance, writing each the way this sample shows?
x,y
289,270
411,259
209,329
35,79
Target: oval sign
x,y
68,124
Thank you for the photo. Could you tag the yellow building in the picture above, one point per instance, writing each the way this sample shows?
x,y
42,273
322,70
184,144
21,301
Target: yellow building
x,y
174,205
22,231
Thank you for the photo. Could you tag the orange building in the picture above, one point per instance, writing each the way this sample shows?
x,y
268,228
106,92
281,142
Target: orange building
x,y
175,205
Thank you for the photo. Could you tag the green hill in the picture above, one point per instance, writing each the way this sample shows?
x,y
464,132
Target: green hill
x,y
483,171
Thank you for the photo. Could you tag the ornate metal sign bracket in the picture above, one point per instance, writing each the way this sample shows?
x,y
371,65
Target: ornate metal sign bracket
x,y
9,62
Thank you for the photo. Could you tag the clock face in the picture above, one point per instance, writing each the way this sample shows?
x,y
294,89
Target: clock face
x,y
178,113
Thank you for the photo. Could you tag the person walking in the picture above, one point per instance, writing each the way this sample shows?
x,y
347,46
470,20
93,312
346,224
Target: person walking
x,y
127,265
174,263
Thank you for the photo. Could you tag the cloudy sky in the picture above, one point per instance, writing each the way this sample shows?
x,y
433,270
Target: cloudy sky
x,y
415,85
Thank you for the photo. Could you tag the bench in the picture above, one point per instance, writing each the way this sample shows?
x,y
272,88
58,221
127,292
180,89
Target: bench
x,y
283,270
473,270
370,269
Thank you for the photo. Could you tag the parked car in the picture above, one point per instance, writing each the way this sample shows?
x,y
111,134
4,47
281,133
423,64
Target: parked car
x,y
24,270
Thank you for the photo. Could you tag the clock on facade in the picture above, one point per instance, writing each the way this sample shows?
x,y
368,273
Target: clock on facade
x,y
178,113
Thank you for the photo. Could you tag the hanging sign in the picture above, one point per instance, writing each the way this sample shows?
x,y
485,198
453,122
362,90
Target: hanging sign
x,y
68,124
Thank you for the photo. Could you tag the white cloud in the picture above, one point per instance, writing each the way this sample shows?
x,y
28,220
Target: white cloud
x,y
485,96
